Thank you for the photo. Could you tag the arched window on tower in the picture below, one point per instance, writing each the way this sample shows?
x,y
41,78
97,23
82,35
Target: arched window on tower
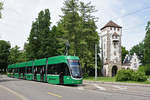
x,y
115,37
115,44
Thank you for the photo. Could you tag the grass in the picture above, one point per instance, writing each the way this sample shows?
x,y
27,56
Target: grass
x,y
102,79
112,79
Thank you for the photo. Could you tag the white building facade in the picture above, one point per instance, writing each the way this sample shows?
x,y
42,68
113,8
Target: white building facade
x,y
131,62
110,43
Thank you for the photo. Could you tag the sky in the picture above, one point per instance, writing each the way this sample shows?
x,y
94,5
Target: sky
x,y
18,15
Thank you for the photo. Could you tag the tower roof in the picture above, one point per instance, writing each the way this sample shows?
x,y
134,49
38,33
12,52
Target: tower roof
x,y
111,24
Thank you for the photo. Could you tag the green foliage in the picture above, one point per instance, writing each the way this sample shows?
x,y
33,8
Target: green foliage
x,y
124,52
145,69
77,25
124,75
85,75
139,50
130,75
139,76
4,53
1,7
42,41
141,68
16,56
147,45
101,79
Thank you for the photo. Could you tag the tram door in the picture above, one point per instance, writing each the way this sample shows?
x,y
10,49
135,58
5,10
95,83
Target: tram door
x,y
35,72
63,71
42,72
61,77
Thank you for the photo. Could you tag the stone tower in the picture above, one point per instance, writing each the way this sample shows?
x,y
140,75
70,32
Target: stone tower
x,y
111,48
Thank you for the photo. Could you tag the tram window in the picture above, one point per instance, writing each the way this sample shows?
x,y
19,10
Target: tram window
x,y
9,70
19,70
57,69
49,69
38,70
29,69
16,70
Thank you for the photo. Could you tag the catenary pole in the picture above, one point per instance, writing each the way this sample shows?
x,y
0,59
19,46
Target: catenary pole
x,y
95,61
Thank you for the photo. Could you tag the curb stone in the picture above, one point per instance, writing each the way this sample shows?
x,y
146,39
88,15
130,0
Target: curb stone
x,y
117,83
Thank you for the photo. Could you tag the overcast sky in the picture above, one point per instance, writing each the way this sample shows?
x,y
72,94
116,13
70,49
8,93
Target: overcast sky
x,y
132,15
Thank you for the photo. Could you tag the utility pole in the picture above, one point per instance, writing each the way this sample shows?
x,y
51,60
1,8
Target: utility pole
x,y
67,47
95,61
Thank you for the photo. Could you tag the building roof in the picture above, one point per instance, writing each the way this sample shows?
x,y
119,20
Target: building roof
x,y
111,24
127,59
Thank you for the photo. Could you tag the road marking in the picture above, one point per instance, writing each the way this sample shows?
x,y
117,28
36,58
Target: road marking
x,y
99,87
54,94
121,88
80,88
17,94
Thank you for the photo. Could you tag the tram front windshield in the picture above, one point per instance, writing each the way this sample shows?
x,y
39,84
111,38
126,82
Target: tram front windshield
x,y
75,68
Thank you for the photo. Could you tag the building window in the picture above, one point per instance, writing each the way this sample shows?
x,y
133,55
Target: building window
x,y
118,29
114,28
135,65
114,53
110,28
115,37
115,45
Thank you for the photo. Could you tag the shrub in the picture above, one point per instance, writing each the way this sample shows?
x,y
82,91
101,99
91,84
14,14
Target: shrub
x,y
141,68
130,75
124,75
145,68
140,76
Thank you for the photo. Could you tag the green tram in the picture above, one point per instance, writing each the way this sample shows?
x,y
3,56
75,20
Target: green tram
x,y
54,70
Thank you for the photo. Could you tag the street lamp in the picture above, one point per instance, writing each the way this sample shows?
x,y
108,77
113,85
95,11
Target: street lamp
x,y
67,47
95,61
34,37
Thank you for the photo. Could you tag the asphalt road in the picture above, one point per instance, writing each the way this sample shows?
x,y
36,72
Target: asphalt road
x,y
17,89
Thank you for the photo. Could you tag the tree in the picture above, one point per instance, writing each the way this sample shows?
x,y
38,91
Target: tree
x,y
4,53
77,25
16,55
147,45
41,40
124,52
88,37
1,7
70,24
139,50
